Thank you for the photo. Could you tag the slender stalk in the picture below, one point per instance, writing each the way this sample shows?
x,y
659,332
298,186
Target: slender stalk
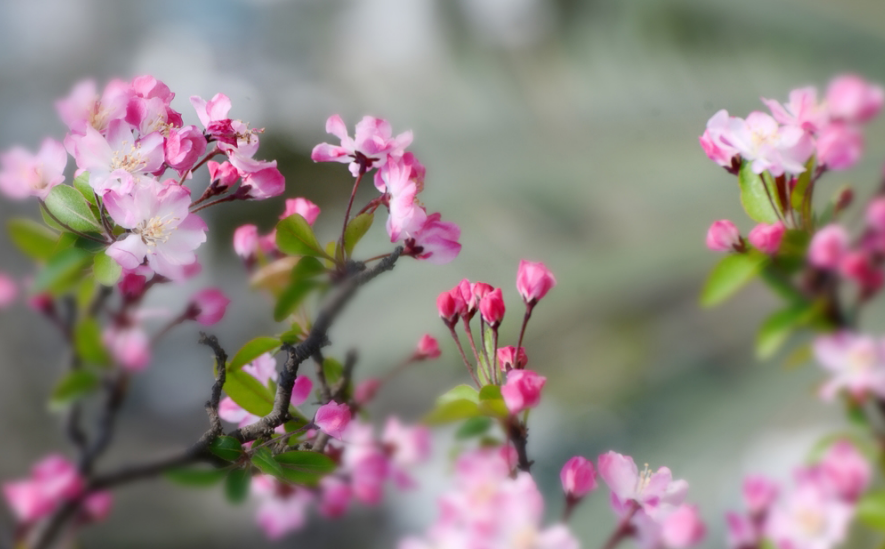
x,y
66,227
494,360
228,198
356,185
463,356
470,339
372,205
624,528
198,165
528,314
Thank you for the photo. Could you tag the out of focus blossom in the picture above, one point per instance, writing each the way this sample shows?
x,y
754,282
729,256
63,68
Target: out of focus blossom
x,y
428,347
802,111
779,149
23,174
53,481
723,236
332,418
8,290
282,508
129,346
511,359
767,238
855,362
522,390
850,98
828,247
208,306
303,207
717,148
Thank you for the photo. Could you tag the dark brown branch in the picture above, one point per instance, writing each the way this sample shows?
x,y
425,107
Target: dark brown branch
x,y
325,390
519,436
115,392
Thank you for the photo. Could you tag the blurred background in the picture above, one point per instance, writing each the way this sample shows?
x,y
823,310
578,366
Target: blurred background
x,y
555,130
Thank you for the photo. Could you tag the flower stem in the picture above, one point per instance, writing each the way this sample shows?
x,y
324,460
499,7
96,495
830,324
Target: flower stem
x,y
463,356
525,321
356,185
624,529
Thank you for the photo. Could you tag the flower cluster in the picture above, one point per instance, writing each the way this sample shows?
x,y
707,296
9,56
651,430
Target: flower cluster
x,y
814,514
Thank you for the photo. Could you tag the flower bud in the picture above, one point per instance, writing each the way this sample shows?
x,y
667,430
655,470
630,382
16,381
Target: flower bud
x,y
510,359
246,241
852,99
447,307
533,280
335,496
365,390
303,207
828,246
858,266
132,285
208,306
466,299
723,236
767,238
522,390
428,347
846,471
223,175
759,494
492,308
480,289
97,506
332,419
578,477
183,147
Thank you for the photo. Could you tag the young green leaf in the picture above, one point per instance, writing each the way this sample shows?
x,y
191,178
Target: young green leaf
x,y
307,267
491,403
756,198
291,298
249,393
33,239
459,392
730,275
871,510
263,459
73,386
87,342
107,271
453,410
333,370
227,448
777,328
304,467
236,486
61,271
295,237
473,427
195,476
81,183
69,207
356,230
252,350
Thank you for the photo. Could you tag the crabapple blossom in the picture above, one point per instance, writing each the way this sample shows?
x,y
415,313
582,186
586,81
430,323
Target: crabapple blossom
x,y
802,111
650,490
481,289
682,528
129,346
875,214
858,266
97,506
282,508
83,108
23,174
208,306
303,207
246,241
759,494
8,291
533,280
263,369
407,216
184,147
839,146
741,532
578,477
767,238
406,446
161,230
53,480
223,175
465,298
850,98
132,285
365,390
332,418
428,347
828,247
522,390
117,161
760,140
717,149
492,308
723,236
511,359
856,363
845,471
372,146
436,241
808,519
335,496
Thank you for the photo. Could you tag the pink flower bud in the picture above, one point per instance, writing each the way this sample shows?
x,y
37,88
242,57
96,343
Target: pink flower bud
x,y
365,390
578,477
828,246
53,480
208,306
223,175
853,99
300,390
522,390
333,418
767,238
268,243
97,506
428,347
839,146
510,359
8,291
132,284
682,528
723,236
533,280
465,298
759,494
42,303
876,214
846,471
447,307
858,266
481,289
184,146
303,207
246,241
492,308
129,346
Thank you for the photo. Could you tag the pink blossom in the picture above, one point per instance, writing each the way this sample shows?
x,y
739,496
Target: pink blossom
x,y
852,99
428,347
436,242
683,527
718,149
83,109
53,480
846,471
856,363
263,368
828,247
24,174
839,146
522,390
184,146
778,149
301,390
875,214
767,238
759,494
416,172
372,145
208,306
466,298
533,280
481,289
264,183
803,110
492,308
246,241
365,462
407,216
223,175
232,135
97,506
578,477
742,533
650,490
129,346
161,229
8,290
808,519
858,266
365,390
332,418
118,161
406,446
282,508
723,236
447,306
335,496
510,358
303,207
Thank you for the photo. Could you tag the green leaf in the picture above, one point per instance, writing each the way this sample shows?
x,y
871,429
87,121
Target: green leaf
x,y
227,448
755,197
304,467
460,392
777,328
236,487
195,476
780,284
871,510
473,427
73,386
263,459
61,271
307,267
795,243
356,230
33,239
291,298
69,206
107,271
730,275
491,403
87,342
249,393
797,198
252,350
81,183
295,237
454,410
333,370
294,335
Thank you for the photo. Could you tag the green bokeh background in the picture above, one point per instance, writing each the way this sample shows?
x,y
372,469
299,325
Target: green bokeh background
x,y
555,130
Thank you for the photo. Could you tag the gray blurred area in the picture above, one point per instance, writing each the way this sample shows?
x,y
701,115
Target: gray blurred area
x,y
555,130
